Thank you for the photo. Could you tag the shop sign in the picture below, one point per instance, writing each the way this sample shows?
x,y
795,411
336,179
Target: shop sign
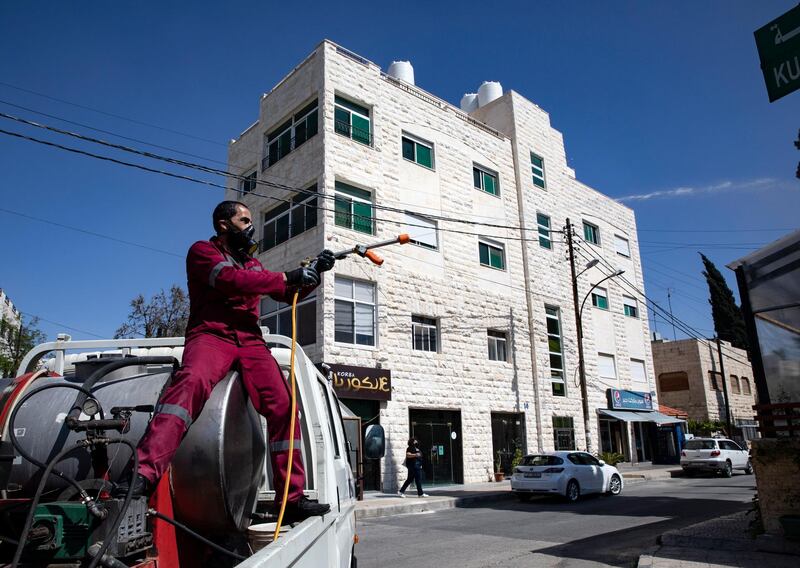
x,y
630,400
361,382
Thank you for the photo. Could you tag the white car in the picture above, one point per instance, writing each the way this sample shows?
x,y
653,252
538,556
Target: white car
x,y
569,474
715,455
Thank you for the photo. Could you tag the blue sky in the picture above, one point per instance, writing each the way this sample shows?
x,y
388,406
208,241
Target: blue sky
x,y
664,101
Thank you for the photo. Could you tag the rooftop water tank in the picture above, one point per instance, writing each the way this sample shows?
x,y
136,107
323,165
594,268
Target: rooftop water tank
x,y
469,102
402,70
489,91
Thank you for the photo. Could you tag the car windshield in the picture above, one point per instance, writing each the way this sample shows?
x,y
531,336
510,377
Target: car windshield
x,y
542,460
701,445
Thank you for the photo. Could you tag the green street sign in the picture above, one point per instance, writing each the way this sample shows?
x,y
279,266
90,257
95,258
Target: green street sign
x,y
778,45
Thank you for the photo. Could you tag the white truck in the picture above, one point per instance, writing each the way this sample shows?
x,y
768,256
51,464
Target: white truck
x,y
219,483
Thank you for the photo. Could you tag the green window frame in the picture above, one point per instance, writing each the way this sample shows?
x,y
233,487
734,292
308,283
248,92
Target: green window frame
x,y
353,209
417,151
292,133
485,180
537,170
591,233
543,224
555,350
600,298
630,307
492,254
352,120
288,220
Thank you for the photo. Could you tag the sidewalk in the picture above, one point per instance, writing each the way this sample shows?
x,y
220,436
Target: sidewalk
x,y
722,542
450,496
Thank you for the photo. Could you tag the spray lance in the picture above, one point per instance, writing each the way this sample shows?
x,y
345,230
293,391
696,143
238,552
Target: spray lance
x,y
364,251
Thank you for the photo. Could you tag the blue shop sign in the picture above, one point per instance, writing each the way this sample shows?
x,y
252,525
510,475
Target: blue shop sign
x,y
631,400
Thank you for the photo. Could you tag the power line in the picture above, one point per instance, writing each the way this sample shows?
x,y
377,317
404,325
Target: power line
x,y
283,200
683,326
86,232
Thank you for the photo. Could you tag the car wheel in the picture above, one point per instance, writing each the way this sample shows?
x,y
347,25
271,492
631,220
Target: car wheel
x,y
524,497
615,485
748,470
727,471
573,491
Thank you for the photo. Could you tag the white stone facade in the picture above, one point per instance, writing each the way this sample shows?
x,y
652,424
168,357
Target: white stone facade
x,y
11,319
449,284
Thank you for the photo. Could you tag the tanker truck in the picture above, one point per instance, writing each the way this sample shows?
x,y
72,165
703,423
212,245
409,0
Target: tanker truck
x,y
69,424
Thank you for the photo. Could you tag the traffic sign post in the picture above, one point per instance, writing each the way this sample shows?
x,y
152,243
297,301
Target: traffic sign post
x,y
778,45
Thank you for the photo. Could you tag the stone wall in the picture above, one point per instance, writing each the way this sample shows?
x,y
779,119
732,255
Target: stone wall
x,y
777,467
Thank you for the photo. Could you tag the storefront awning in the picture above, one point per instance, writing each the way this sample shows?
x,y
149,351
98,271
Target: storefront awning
x,y
651,416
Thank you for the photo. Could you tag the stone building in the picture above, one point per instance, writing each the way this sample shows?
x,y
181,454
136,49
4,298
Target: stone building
x,y
10,320
465,337
689,377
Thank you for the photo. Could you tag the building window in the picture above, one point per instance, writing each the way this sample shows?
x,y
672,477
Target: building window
x,y
735,388
591,233
418,151
485,180
671,382
622,245
354,319
491,254
556,351
606,367
497,345
746,386
715,380
352,120
630,306
277,316
537,169
424,334
291,134
248,184
563,433
354,208
543,224
638,371
421,231
288,220
600,298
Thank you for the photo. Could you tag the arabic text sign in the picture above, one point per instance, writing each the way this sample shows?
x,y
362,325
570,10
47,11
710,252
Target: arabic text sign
x,y
632,400
361,382
778,45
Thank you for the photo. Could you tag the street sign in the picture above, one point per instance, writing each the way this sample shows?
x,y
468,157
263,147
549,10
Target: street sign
x,y
778,45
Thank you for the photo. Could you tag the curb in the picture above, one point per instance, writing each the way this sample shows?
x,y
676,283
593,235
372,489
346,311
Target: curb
x,y
681,541
645,561
429,504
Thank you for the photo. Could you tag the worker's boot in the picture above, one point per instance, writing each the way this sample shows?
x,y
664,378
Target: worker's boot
x,y
304,508
141,486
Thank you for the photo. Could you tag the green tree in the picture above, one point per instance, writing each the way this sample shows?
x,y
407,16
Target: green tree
x,y
164,315
728,320
16,341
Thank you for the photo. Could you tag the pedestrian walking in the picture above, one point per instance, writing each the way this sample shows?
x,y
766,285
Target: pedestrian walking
x,y
414,465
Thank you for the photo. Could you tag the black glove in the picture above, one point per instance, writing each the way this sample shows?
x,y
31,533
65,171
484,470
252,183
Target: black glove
x,y
325,261
303,276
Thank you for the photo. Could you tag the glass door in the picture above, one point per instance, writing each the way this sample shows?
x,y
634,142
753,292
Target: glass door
x,y
436,443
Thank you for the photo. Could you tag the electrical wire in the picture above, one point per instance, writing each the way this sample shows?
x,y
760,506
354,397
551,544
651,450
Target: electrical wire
x,y
217,171
187,530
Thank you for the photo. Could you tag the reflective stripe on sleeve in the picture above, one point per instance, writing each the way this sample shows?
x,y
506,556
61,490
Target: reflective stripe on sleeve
x,y
175,410
212,278
283,446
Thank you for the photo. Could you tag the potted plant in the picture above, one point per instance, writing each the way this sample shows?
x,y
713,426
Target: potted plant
x,y
498,468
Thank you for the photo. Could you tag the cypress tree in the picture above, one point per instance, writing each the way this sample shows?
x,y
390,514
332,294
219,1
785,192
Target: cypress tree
x,y
728,320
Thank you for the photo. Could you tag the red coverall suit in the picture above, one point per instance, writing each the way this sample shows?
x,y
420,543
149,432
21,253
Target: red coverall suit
x,y
223,331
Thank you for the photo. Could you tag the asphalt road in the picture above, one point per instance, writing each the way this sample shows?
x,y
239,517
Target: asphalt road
x,y
596,531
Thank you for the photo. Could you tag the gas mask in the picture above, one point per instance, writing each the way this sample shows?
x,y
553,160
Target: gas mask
x,y
242,242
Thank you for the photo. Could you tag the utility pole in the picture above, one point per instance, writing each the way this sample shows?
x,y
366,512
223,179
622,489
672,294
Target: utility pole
x,y
587,427
669,299
724,388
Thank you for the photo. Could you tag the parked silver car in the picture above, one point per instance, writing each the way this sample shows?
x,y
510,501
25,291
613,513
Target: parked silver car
x,y
718,455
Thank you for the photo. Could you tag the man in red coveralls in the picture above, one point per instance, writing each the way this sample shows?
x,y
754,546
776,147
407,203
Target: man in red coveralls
x,y
225,284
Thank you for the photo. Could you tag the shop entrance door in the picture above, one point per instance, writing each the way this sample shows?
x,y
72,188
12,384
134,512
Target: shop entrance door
x,y
440,441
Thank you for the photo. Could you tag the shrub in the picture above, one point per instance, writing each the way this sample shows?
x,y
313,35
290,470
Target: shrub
x,y
612,458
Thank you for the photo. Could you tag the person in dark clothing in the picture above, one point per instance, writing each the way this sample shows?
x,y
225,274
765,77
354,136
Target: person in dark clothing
x,y
414,466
